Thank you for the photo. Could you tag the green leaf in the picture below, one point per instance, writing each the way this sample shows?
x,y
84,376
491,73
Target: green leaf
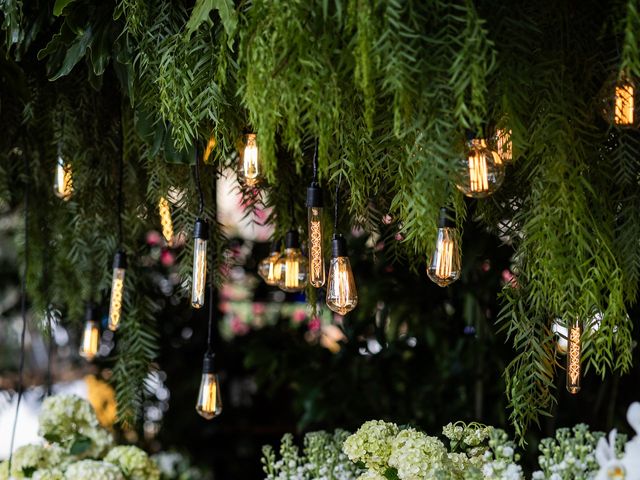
x,y
59,6
75,53
80,445
202,11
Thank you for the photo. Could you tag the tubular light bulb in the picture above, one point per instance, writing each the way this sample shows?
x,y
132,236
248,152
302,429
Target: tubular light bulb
x,y
267,268
250,160
209,403
624,106
342,296
199,281
316,254
293,266
444,265
574,353
481,173
63,180
165,220
117,290
90,336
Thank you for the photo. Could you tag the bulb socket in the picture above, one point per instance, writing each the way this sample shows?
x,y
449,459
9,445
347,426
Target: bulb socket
x,y
338,246
292,240
120,260
275,247
447,218
207,363
201,229
90,313
314,195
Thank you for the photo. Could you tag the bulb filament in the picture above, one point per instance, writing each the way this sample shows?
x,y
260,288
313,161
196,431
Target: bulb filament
x,y
64,180
250,165
479,182
316,263
90,340
291,275
624,104
444,258
573,359
116,300
165,220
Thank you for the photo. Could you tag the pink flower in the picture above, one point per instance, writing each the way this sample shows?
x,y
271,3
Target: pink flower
x,y
299,315
314,324
486,266
258,308
167,258
399,237
387,219
153,238
238,327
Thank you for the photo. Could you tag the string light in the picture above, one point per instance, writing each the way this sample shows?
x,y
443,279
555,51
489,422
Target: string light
x,y
481,173
267,268
342,295
200,236
90,335
574,353
250,160
445,262
117,289
293,266
624,109
63,179
314,214
165,220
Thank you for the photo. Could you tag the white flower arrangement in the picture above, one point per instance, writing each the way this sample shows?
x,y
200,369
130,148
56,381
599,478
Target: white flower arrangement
x,y
615,466
75,447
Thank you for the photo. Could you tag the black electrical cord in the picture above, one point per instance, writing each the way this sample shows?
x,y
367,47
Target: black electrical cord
x,y
337,200
23,308
198,185
315,163
120,190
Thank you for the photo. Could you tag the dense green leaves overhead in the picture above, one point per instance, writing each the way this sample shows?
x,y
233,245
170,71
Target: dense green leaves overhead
x,y
388,88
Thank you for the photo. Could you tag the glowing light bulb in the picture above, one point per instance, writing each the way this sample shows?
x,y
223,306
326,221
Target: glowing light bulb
x,y
267,268
117,290
90,336
481,173
316,254
293,265
165,220
200,235
503,144
342,296
445,262
624,104
209,403
574,353
63,179
250,160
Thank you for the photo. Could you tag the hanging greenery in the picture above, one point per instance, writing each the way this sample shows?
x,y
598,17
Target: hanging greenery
x,y
389,88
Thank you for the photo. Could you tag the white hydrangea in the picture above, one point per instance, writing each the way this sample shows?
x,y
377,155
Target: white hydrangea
x,y
93,470
371,475
417,456
371,444
49,474
134,463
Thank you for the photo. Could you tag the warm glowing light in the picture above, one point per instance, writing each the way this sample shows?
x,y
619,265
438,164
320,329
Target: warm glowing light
x,y
293,266
482,172
209,404
624,106
342,296
211,144
268,267
445,262
63,180
117,290
574,353
251,160
316,260
199,280
165,220
504,145
90,337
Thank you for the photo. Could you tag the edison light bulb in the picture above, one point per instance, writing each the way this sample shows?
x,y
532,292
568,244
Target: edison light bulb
x,y
316,254
293,266
90,336
481,172
117,289
267,268
200,235
165,220
624,104
574,353
250,160
444,265
504,146
209,404
63,180
342,296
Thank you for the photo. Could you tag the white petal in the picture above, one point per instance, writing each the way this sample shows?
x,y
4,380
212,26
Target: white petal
x,y
633,416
